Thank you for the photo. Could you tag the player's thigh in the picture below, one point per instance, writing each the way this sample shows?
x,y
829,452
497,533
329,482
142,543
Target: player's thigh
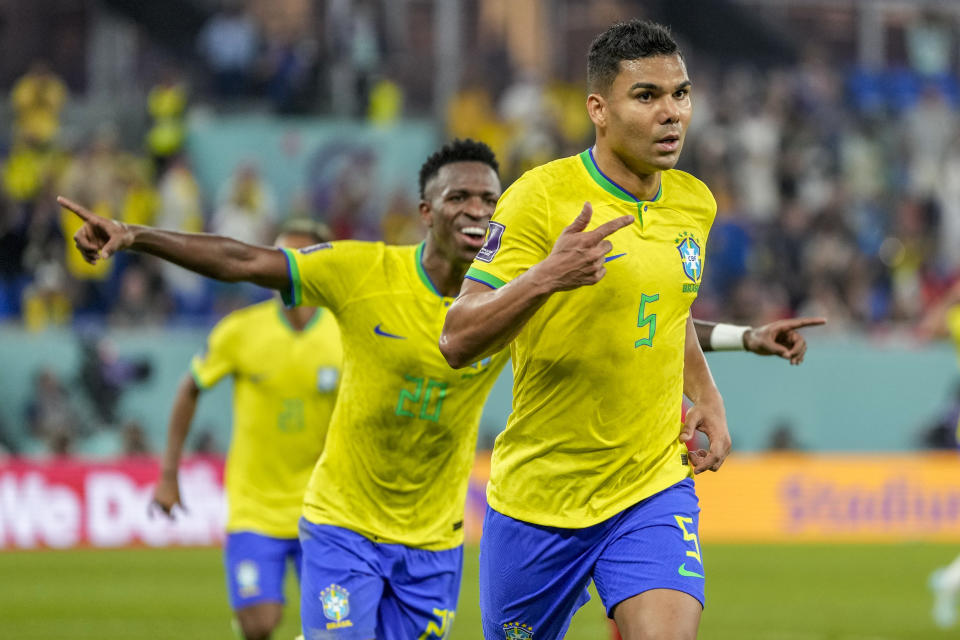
x,y
532,578
341,586
655,546
420,601
255,566
659,614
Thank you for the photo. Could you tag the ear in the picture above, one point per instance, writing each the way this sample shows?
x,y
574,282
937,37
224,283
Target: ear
x,y
597,110
426,213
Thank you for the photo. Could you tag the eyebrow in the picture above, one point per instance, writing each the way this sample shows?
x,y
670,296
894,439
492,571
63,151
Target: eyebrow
x,y
469,192
656,87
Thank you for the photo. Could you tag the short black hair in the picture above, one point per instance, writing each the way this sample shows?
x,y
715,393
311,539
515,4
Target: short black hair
x,y
625,41
466,150
317,231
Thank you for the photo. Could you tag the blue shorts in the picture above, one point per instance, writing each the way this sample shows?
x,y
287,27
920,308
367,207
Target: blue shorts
x,y
357,589
534,578
256,567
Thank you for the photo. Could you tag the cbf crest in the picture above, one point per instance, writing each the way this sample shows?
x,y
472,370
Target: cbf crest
x,y
517,631
690,256
336,605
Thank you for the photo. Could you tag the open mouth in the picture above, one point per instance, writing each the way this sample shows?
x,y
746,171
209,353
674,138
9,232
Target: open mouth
x,y
668,143
473,235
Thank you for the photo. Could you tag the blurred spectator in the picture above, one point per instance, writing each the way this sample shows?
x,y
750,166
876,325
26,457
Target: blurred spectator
x,y
246,207
783,437
166,104
356,43
37,99
141,300
291,70
929,41
180,209
138,204
928,128
104,375
228,43
386,102
134,439
401,221
51,416
46,302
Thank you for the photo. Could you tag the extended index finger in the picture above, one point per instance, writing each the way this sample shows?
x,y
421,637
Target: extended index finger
x,y
85,214
607,228
797,323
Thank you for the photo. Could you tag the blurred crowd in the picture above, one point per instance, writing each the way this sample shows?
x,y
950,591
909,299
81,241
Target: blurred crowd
x,y
836,186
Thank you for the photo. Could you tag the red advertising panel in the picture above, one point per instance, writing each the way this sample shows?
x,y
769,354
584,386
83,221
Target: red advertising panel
x,y
64,503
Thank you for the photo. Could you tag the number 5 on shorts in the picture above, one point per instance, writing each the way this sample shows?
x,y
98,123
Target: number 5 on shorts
x,y
682,522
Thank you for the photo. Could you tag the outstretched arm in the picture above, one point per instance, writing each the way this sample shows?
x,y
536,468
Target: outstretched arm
x,y
166,494
209,255
483,321
780,337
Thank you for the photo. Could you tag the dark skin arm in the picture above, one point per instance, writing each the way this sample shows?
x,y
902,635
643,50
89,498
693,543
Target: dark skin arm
x,y
166,495
779,337
209,255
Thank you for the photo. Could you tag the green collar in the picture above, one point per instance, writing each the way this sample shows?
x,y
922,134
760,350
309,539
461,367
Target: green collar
x,y
423,273
608,185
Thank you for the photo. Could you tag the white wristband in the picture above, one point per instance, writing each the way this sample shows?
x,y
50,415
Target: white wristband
x,y
727,337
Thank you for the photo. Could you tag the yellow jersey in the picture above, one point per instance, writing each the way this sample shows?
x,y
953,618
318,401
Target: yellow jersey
x,y
598,371
284,390
403,434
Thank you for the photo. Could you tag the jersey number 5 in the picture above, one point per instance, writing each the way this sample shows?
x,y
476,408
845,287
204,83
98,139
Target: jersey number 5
x,y
646,321
432,392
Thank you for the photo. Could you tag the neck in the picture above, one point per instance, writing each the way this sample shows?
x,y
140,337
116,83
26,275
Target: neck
x,y
445,273
642,185
299,317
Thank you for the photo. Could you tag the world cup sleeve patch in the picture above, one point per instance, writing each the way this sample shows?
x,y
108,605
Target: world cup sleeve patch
x,y
492,245
315,247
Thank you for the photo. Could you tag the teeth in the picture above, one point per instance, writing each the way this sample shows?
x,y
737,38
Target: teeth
x,y
473,231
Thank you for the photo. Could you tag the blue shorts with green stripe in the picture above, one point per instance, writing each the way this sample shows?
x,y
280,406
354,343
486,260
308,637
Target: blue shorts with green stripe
x,y
533,578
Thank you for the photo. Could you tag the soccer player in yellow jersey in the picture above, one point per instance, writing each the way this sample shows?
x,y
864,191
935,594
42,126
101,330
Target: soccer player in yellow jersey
x,y
382,526
285,364
589,480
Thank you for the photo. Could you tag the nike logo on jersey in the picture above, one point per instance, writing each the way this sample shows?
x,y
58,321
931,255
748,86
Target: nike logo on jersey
x,y
609,258
682,570
380,332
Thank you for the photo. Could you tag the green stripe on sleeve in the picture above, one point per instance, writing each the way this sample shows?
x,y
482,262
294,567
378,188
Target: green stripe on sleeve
x,y
482,276
293,296
196,375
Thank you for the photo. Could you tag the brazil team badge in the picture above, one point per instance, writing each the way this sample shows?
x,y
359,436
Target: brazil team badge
x,y
690,258
517,631
248,578
336,606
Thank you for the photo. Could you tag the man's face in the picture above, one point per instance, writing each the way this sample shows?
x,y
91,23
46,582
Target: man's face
x,y
457,206
646,112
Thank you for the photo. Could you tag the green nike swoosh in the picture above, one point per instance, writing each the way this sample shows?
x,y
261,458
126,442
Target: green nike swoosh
x,y
682,570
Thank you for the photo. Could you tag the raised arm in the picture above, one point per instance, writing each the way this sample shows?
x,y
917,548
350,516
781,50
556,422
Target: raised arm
x,y
166,495
483,321
780,337
707,414
213,256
